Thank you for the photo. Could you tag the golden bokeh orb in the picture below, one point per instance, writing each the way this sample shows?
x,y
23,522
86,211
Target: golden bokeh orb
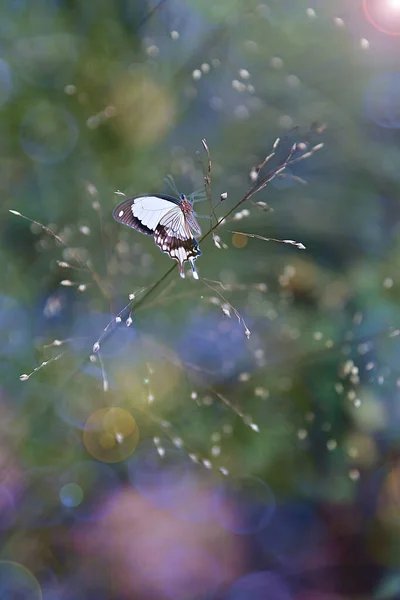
x,y
111,434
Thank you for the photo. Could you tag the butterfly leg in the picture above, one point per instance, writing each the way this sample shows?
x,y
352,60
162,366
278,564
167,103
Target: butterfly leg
x,y
202,216
199,198
195,273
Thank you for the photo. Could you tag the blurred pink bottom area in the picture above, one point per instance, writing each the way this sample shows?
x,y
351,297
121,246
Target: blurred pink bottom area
x,y
148,553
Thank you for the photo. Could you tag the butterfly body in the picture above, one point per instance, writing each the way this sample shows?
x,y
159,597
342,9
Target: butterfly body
x,y
171,221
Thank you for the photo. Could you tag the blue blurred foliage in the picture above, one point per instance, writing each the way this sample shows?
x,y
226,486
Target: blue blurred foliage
x,y
259,585
295,532
382,100
245,505
218,348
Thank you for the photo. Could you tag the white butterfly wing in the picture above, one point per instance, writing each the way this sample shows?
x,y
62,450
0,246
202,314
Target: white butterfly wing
x,y
150,210
144,212
175,224
163,218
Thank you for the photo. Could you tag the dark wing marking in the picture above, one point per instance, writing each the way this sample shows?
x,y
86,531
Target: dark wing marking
x,y
123,214
173,236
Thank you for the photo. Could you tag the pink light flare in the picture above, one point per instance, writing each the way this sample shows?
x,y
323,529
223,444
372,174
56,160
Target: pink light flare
x,y
384,15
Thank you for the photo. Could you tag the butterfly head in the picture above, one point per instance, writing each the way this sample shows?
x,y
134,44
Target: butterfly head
x,y
186,205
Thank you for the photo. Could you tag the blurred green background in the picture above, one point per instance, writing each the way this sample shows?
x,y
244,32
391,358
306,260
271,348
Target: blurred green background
x,y
272,456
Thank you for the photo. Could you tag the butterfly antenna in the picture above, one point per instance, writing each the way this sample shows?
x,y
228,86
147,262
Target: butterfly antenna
x,y
169,180
198,196
200,192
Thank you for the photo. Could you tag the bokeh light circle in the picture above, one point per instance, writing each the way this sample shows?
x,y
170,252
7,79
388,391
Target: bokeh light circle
x,y
244,505
48,133
111,434
6,82
262,585
86,490
17,582
145,109
382,100
72,410
71,495
384,15
294,533
213,345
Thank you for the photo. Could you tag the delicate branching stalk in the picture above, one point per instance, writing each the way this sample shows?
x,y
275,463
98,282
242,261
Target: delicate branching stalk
x,y
103,372
293,178
258,185
96,206
26,376
228,306
117,320
222,285
245,418
207,182
65,265
103,287
195,456
57,343
255,171
298,245
218,242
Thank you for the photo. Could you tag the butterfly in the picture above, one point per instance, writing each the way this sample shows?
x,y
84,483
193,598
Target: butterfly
x,y
171,221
